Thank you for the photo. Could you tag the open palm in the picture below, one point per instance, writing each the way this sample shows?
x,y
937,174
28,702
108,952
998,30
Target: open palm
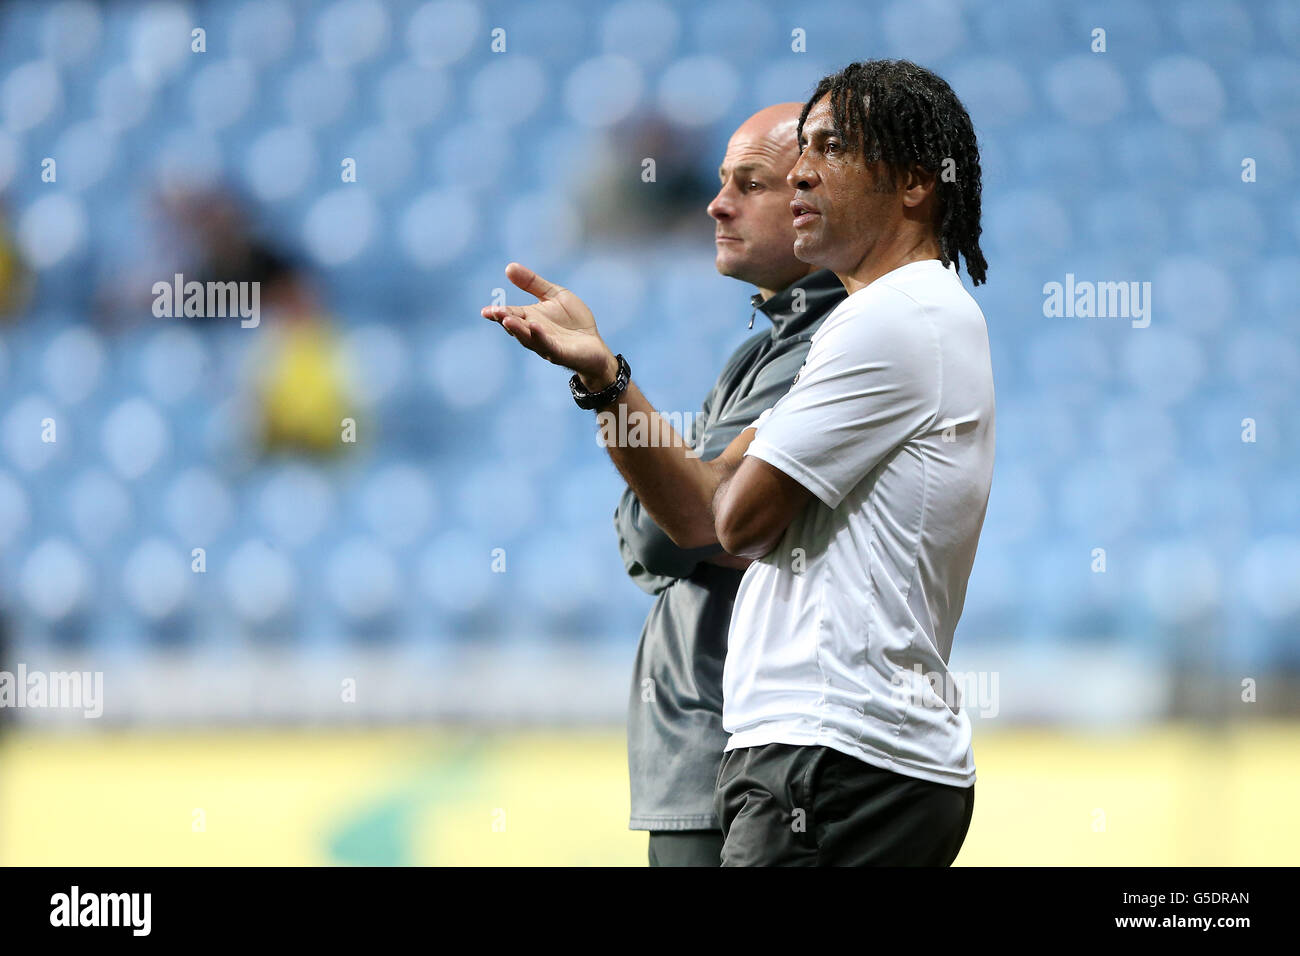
x,y
559,327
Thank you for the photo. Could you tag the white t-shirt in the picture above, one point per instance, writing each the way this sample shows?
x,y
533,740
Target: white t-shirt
x,y
890,426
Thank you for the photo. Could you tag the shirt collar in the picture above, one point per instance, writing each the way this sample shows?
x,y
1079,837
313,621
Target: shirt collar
x,y
822,290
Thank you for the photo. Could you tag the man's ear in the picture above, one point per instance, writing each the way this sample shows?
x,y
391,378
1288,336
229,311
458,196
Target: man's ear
x,y
918,186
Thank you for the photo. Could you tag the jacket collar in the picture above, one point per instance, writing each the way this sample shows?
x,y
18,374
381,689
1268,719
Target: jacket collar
x,y
822,291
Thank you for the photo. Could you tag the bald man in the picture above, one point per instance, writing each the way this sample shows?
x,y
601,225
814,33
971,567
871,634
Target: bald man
x,y
674,727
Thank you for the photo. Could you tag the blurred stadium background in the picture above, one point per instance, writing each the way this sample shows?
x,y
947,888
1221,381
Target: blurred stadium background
x,y
353,678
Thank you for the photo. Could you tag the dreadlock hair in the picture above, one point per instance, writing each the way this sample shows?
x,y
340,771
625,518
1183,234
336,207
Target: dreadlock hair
x,y
902,115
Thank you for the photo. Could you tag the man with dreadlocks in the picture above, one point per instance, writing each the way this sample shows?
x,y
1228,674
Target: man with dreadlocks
x,y
860,495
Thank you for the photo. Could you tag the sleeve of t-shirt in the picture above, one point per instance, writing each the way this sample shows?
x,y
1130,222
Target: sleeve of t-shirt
x,y
758,422
870,383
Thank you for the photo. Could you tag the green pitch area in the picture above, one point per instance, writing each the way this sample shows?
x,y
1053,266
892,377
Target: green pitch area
x,y
1173,795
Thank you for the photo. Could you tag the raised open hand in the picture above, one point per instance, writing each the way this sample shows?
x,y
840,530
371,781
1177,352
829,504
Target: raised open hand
x,y
559,327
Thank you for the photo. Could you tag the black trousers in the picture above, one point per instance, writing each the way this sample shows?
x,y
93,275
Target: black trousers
x,y
685,847
782,805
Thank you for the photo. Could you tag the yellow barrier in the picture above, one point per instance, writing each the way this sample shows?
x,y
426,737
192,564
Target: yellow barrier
x,y
1175,795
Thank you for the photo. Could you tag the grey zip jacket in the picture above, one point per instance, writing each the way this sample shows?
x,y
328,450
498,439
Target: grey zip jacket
x,y
674,722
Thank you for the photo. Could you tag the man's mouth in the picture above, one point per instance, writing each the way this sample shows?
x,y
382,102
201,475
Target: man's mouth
x,y
722,238
803,212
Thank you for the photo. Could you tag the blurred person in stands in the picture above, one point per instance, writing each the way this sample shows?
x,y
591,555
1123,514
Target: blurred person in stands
x,y
675,733
297,365
620,206
204,234
300,370
295,370
15,277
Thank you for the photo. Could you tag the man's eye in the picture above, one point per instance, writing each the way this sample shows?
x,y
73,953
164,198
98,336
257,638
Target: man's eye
x,y
830,146
754,185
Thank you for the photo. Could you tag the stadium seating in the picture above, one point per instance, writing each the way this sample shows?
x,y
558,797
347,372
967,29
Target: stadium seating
x,y
1107,166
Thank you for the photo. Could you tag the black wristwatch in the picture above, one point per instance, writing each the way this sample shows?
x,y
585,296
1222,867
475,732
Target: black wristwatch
x,y
609,393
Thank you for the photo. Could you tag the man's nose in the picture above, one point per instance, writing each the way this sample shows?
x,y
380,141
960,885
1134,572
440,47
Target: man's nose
x,y
800,176
723,206
720,209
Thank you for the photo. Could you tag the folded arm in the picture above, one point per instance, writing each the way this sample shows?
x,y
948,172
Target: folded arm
x,y
754,505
